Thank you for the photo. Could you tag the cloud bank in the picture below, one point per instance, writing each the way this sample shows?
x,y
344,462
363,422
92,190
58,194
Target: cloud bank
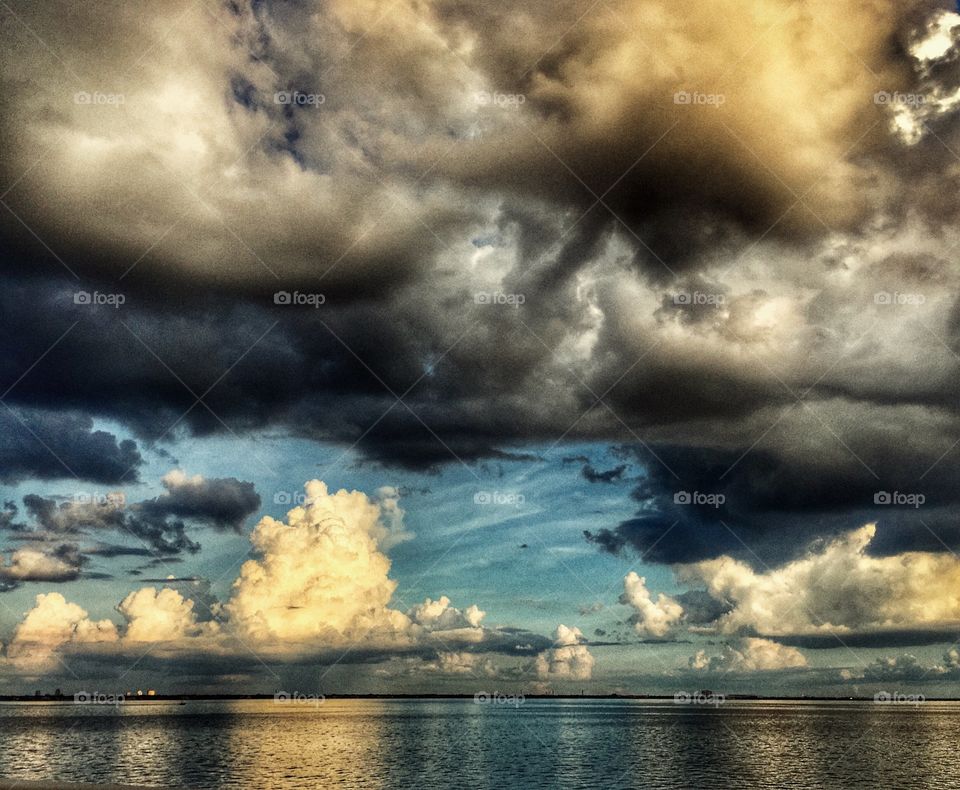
x,y
318,591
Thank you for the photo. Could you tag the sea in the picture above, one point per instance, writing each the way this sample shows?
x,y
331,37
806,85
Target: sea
x,y
497,742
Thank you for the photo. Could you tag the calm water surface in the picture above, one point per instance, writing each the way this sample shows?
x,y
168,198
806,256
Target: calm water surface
x,y
456,743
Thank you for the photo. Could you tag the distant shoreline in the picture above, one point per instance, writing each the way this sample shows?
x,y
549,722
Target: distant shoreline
x,y
69,698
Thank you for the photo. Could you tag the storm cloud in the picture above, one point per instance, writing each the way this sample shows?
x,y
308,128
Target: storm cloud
x,y
487,185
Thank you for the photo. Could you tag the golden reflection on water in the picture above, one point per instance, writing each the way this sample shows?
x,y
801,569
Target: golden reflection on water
x,y
337,742
149,742
440,744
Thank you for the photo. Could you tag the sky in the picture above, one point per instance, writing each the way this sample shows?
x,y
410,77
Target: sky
x,y
438,346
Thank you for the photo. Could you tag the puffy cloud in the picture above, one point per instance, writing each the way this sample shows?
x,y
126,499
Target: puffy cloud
x,y
750,655
895,668
52,623
934,97
61,564
444,664
461,663
906,669
565,636
320,578
569,659
320,583
164,618
159,615
938,37
439,615
320,574
391,517
653,618
836,588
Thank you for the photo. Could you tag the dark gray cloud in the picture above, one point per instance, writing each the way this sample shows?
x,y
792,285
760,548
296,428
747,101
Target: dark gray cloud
x,y
110,550
700,608
72,516
906,637
222,503
160,524
166,536
47,445
731,326
767,507
206,663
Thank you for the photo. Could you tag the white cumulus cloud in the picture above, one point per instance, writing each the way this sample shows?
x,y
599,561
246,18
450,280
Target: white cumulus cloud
x,y
320,580
750,655
654,618
836,588
52,623
569,659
